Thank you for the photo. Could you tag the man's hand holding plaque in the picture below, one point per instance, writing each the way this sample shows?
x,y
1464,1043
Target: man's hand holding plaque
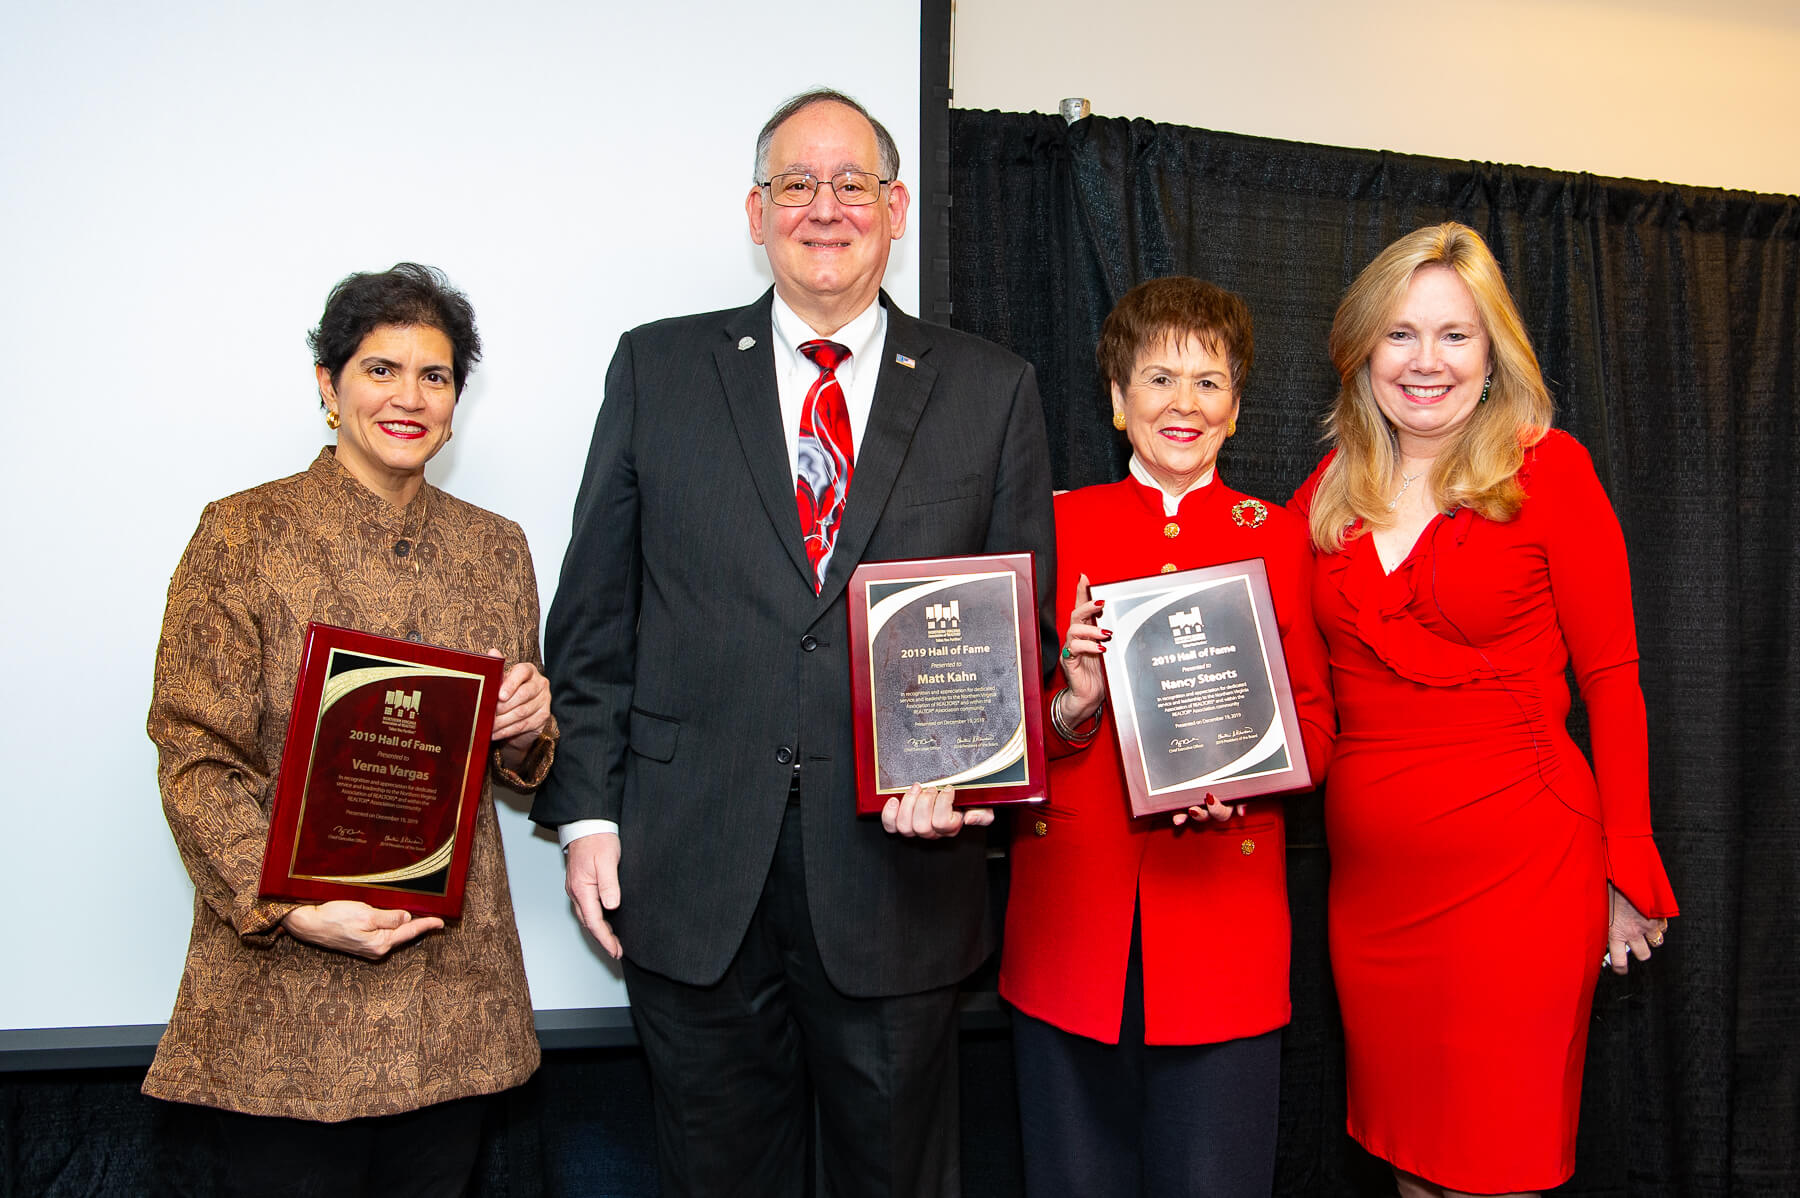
x,y
931,813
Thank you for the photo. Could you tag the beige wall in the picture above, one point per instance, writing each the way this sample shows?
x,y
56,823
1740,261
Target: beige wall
x,y
1700,93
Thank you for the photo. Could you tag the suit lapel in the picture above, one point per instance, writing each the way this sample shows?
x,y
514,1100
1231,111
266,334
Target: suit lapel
x,y
900,395
748,379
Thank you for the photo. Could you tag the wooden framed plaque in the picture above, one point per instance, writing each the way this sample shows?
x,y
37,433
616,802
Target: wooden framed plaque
x,y
946,679
381,774
1199,688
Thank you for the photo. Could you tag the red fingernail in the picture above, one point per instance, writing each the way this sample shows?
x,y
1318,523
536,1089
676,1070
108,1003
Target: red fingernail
x,y
1099,603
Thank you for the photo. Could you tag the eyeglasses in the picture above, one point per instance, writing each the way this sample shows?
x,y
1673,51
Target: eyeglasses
x,y
854,188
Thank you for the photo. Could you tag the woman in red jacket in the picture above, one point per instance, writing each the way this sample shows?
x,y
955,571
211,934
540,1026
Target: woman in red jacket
x,y
1147,959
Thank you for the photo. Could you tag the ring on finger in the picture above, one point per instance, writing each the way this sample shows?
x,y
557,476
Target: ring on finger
x,y
1067,653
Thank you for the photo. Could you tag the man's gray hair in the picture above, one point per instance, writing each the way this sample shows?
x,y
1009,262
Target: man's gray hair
x,y
884,141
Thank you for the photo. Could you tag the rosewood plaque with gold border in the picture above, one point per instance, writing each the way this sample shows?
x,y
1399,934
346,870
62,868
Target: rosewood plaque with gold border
x,y
382,772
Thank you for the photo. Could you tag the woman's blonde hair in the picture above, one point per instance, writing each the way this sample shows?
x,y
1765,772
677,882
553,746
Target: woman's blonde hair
x,y
1476,469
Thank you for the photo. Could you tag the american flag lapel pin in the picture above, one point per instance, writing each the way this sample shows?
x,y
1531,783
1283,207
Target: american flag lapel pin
x,y
905,361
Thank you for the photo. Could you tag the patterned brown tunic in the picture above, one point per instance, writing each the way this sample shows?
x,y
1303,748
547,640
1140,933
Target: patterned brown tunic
x,y
264,1023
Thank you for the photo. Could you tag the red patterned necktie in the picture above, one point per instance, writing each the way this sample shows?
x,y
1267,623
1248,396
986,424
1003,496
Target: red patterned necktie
x,y
825,456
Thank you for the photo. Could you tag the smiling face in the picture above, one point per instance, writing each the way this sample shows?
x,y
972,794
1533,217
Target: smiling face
x,y
1428,368
1177,406
828,257
394,397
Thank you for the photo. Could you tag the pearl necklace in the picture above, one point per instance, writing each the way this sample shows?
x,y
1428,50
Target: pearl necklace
x,y
1406,480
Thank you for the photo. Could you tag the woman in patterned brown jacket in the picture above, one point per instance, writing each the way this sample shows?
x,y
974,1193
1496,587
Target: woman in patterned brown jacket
x,y
339,1048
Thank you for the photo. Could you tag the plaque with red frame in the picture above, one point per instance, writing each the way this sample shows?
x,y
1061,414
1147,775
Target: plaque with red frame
x,y
381,775
946,682
1199,688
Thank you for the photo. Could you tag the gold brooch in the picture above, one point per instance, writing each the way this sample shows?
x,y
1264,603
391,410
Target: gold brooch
x,y
1249,512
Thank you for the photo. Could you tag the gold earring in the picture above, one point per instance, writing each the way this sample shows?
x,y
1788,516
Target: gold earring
x,y
331,418
1119,421
1231,429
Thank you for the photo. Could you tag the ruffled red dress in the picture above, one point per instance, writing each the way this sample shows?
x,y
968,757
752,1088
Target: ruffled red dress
x,y
1470,841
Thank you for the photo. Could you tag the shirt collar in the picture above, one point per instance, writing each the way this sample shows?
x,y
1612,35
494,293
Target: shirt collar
x,y
1171,501
861,336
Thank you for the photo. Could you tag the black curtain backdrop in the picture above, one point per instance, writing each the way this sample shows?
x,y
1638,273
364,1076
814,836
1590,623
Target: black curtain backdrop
x,y
580,1128
1667,322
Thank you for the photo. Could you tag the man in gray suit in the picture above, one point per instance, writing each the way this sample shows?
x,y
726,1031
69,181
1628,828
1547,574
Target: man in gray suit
x,y
792,968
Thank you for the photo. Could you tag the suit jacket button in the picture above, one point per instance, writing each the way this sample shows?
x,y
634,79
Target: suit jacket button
x,y
1041,828
1169,568
784,755
1248,847
402,548
1171,529
809,642
414,636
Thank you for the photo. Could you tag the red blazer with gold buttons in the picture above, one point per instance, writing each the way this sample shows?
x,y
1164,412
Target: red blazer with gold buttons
x,y
1214,915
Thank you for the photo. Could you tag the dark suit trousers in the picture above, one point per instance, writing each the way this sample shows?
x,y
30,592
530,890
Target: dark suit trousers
x,y
1131,1120
744,1070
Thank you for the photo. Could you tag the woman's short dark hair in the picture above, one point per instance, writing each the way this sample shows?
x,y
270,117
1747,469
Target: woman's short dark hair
x,y
409,294
1174,309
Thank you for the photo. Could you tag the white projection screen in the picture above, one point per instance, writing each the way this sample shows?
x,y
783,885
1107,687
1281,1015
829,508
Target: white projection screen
x,y
180,185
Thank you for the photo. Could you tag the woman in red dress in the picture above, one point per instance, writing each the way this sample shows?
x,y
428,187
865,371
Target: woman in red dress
x,y
1480,868
1147,961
